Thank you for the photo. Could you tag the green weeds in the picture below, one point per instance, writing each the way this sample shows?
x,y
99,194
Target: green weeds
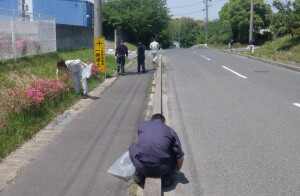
x,y
16,129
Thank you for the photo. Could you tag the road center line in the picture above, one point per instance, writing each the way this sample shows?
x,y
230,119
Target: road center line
x,y
205,58
297,104
234,72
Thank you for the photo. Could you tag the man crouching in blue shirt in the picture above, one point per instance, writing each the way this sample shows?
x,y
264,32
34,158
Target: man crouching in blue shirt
x,y
157,152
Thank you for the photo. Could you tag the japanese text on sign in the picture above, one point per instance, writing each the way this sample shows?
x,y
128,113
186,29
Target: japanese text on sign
x,y
99,45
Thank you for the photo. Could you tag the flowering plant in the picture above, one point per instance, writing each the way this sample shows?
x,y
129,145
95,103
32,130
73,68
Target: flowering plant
x,y
40,90
95,70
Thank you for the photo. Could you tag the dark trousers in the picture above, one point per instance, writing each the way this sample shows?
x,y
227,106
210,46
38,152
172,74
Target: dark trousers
x,y
141,62
121,62
150,171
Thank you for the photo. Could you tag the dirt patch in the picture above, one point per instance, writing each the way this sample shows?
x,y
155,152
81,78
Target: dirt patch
x,y
20,81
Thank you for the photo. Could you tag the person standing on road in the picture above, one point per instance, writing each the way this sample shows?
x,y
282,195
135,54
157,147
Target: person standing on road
x,y
158,151
141,56
154,46
251,46
121,51
231,44
76,67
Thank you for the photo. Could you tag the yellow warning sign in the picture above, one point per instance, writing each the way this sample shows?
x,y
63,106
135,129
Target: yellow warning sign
x,y
99,45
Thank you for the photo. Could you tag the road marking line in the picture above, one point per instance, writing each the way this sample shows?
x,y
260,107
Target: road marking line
x,y
205,58
234,72
297,104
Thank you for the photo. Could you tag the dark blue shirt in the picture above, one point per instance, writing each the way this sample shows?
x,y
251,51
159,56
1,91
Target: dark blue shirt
x,y
121,50
157,142
141,49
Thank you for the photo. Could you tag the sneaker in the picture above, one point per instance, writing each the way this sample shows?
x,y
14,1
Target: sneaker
x,y
85,96
118,70
167,180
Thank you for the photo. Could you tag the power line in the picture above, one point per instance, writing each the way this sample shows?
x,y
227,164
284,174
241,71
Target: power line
x,y
186,5
189,13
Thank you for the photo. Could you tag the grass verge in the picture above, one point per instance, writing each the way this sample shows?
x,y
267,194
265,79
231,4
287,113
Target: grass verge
x,y
131,47
280,50
17,129
132,190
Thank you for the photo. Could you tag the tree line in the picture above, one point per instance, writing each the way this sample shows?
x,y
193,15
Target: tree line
x,y
148,19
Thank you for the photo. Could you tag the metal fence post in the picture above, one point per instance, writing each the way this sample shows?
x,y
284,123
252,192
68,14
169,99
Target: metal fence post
x,y
26,36
14,35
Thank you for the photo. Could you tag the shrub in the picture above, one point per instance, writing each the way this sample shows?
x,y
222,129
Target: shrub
x,y
40,90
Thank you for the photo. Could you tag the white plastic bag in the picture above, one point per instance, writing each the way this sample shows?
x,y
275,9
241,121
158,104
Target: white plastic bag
x,y
150,54
87,72
123,167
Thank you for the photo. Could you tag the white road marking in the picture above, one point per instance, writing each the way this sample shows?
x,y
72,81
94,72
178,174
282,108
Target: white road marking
x,y
205,58
234,72
297,104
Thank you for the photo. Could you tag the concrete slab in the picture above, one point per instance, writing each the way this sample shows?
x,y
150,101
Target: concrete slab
x,y
152,187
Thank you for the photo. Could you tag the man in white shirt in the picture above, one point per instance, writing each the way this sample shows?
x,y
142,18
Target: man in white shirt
x,y
76,67
154,46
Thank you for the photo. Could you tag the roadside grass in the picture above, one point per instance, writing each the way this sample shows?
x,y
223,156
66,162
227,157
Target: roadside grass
x,y
131,47
133,187
217,46
280,50
150,89
17,129
225,46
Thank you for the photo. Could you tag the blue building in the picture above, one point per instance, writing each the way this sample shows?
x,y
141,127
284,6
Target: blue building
x,y
70,12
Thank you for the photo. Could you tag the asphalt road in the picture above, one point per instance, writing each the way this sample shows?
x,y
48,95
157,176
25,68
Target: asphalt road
x,y
76,163
239,124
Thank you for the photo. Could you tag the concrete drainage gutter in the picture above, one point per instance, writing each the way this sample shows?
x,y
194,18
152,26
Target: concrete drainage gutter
x,y
152,186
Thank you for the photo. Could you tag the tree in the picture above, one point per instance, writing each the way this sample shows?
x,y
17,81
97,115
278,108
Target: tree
x,y
286,20
237,13
187,30
138,19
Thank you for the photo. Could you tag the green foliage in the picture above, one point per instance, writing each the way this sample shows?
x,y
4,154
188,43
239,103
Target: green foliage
x,y
19,128
138,19
287,19
237,13
219,32
281,49
187,30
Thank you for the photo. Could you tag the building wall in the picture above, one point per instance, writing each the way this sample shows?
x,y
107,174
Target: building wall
x,y
69,37
71,12
9,4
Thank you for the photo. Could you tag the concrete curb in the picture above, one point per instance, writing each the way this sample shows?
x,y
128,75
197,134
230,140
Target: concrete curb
x,y
16,161
295,67
153,185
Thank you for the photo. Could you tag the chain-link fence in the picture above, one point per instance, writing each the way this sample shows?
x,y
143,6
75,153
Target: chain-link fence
x,y
24,34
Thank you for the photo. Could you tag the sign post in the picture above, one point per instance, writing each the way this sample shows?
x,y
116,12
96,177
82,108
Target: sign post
x,y
99,51
99,40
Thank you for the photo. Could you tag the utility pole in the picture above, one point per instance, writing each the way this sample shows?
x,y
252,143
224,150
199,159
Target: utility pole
x,y
206,7
251,21
99,40
179,32
98,19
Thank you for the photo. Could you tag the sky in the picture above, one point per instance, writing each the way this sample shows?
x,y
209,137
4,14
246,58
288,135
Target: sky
x,y
196,8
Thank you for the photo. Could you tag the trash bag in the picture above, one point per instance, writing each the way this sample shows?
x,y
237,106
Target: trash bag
x,y
87,72
150,54
123,167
